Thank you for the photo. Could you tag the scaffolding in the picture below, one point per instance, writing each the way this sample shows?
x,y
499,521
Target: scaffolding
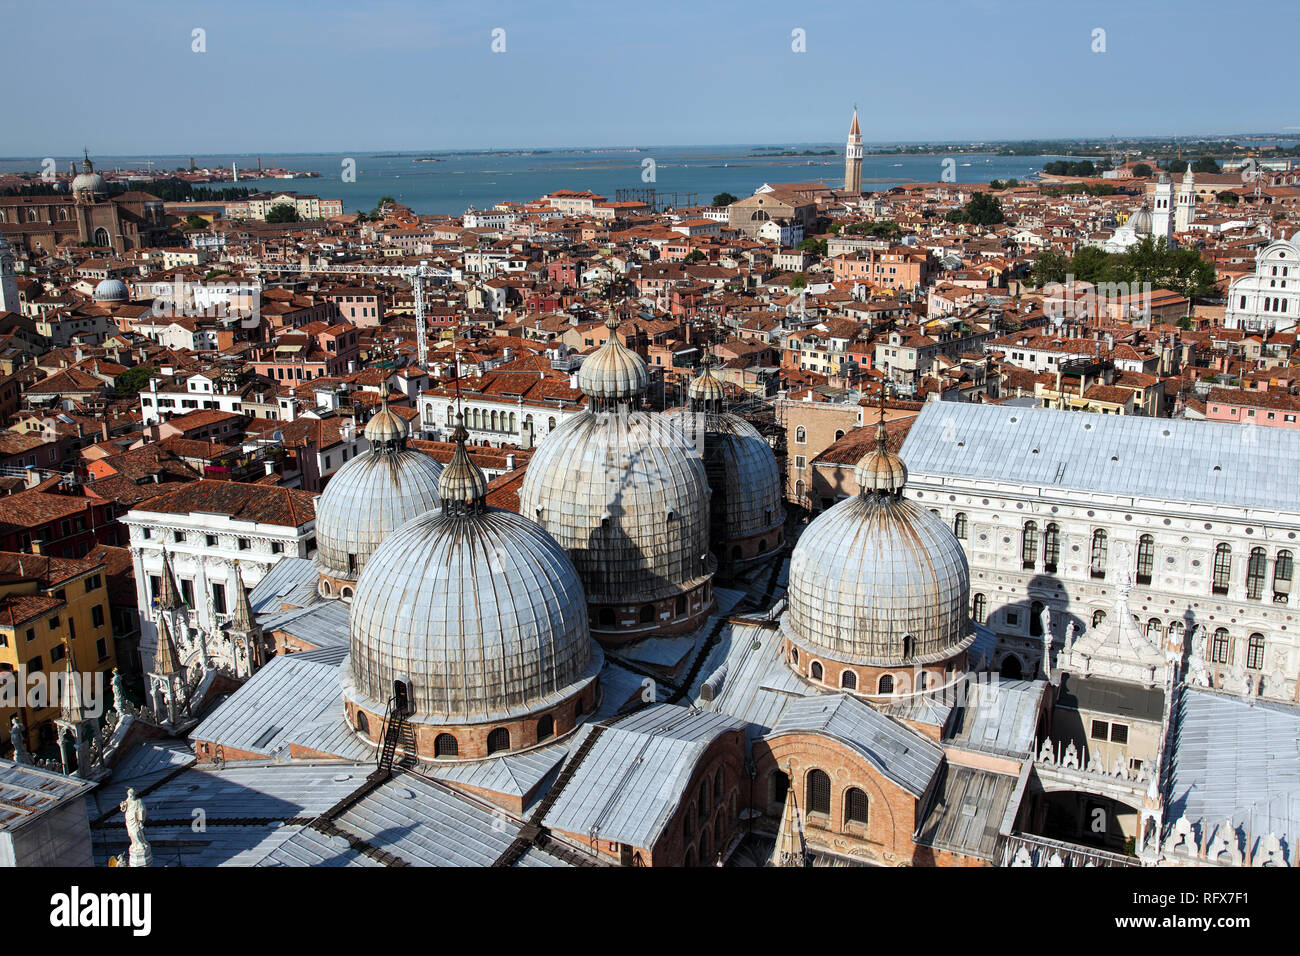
x,y
656,200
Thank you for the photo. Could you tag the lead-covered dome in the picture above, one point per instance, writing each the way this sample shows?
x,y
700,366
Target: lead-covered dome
x,y
111,290
625,494
613,372
1141,221
371,496
478,609
878,580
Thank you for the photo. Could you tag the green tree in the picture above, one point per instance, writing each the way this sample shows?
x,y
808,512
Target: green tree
x,y
723,199
695,255
196,222
1142,170
1050,266
282,212
129,383
1206,164
799,282
984,209
814,247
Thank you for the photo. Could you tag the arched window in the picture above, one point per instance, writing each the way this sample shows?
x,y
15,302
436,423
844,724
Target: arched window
x,y
818,796
1097,566
1255,652
444,745
550,424
798,490
1221,647
1256,568
886,684
855,807
816,670
849,680
1011,668
717,787
1222,569
679,606
363,723
605,617
979,608
1029,545
794,654
578,709
545,727
1146,558
648,614
688,823
451,415
1154,628
704,800
1282,570
839,433
959,525
1036,619
780,784
498,740
1051,548
1098,617
101,234
690,857
801,435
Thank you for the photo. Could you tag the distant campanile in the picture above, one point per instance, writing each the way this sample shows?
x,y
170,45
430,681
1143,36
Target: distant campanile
x,y
853,158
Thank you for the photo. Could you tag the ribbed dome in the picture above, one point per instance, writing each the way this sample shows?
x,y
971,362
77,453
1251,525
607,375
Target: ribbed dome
x,y
88,180
483,612
1141,221
878,580
627,499
462,481
613,372
880,470
111,290
872,572
746,492
368,498
706,389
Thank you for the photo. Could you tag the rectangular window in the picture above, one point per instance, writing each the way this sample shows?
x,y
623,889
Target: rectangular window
x,y
219,598
211,541
101,648
1119,733
244,544
1100,730
97,615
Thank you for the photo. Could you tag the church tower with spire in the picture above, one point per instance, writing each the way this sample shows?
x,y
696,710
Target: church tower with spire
x,y
1183,212
853,158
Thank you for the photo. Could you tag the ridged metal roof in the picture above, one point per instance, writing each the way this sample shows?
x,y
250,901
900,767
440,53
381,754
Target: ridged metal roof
x,y
1239,760
633,778
1213,462
900,753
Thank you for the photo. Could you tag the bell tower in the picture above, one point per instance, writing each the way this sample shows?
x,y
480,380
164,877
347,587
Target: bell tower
x,y
8,279
853,158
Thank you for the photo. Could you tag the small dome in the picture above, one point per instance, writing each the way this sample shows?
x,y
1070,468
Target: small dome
x,y
706,389
462,481
482,612
880,470
1141,221
613,373
372,495
89,181
111,290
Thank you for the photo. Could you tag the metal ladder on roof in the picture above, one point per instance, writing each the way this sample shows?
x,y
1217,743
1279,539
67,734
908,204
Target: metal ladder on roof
x,y
396,731
533,833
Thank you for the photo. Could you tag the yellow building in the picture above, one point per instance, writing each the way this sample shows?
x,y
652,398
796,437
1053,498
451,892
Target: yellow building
x,y
48,605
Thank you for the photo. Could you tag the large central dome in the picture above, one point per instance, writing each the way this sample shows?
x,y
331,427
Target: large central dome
x,y
476,616
626,495
877,580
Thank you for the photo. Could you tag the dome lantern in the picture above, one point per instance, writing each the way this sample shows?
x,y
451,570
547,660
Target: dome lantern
x,y
462,485
613,375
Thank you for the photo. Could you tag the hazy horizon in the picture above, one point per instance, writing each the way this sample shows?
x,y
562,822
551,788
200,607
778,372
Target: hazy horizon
x,y
393,73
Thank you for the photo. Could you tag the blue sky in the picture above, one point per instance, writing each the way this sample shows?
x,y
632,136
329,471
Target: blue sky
x,y
400,74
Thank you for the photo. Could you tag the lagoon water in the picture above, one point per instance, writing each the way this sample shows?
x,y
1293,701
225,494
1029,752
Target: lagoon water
x,y
455,181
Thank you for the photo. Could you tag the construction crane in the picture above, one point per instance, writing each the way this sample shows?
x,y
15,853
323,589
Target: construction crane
x,y
416,275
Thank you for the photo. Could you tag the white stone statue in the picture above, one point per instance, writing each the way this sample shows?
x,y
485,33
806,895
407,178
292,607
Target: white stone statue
x,y
133,809
1069,637
1123,562
18,738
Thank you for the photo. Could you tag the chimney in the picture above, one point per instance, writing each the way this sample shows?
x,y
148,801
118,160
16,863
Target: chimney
x,y
510,462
